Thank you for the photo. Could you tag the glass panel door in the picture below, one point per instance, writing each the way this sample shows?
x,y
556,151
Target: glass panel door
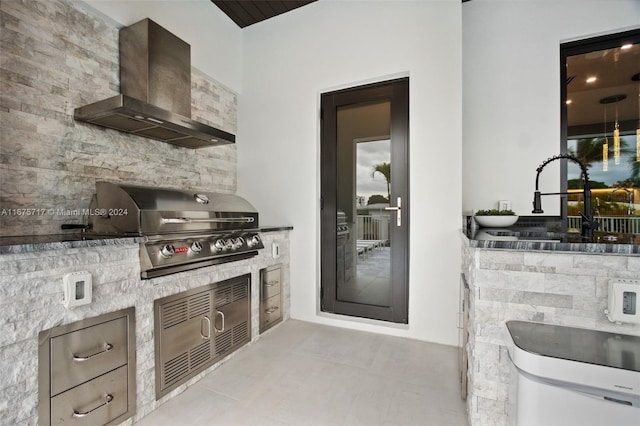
x,y
363,192
365,221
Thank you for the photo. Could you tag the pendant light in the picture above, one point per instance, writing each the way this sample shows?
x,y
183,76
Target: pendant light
x,y
616,128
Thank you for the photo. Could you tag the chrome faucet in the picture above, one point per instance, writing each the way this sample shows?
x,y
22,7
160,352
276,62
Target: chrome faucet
x,y
589,224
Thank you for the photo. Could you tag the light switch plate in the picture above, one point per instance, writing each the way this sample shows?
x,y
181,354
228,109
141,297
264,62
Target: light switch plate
x,y
275,250
78,288
624,301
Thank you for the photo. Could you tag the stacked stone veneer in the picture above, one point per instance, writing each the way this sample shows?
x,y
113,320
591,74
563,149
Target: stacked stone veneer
x,y
561,288
31,296
55,57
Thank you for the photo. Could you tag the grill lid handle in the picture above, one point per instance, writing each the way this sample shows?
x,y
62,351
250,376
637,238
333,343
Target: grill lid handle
x,y
201,198
246,219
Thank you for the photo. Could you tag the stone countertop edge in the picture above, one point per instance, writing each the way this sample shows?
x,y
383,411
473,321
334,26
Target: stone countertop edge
x,y
596,248
36,243
30,244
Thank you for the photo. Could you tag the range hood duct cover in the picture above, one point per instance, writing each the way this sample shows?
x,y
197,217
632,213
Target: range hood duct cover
x,y
155,81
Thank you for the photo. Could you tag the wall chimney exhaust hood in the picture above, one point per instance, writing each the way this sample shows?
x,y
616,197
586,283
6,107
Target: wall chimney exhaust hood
x,y
155,84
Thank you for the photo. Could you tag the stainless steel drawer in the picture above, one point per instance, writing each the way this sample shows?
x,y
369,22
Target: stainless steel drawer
x,y
271,283
83,354
96,402
271,312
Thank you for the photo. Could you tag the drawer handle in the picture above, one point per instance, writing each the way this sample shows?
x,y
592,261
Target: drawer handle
x,y
272,283
271,310
80,358
108,400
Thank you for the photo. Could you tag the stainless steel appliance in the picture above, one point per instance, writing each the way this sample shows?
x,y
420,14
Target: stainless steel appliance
x,y
155,81
270,297
344,250
184,229
87,371
572,376
198,327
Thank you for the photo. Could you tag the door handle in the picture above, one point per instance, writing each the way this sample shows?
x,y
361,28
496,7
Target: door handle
x,y
398,210
208,321
219,330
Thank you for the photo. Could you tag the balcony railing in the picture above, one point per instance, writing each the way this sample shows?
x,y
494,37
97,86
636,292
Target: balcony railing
x,y
372,227
621,224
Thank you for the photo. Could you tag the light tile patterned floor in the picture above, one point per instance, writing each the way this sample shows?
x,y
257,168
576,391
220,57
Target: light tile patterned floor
x,y
372,283
306,374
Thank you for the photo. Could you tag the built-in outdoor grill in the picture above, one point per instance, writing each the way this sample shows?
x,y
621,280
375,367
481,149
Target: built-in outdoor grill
x,y
342,226
344,249
183,230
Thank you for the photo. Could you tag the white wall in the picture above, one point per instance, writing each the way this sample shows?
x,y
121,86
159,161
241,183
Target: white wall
x,y
287,63
216,42
511,91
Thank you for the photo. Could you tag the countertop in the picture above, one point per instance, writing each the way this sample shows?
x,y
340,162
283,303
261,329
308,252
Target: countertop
x,y
577,344
76,239
519,239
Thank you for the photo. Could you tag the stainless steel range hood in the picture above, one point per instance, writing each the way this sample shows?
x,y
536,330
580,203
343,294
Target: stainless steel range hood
x,y
155,81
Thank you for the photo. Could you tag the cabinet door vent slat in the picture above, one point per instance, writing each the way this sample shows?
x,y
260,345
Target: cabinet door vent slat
x,y
240,291
175,369
223,296
224,342
200,304
200,354
240,332
174,313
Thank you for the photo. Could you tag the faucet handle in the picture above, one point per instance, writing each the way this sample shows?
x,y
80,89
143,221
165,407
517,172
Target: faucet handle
x,y
537,203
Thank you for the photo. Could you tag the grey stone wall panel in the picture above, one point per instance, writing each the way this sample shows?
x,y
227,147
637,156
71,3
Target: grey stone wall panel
x,y
56,57
552,287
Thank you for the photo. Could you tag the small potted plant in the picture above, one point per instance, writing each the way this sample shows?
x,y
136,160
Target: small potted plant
x,y
494,218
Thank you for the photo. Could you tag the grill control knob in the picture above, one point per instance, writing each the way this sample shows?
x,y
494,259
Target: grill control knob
x,y
219,245
238,242
167,250
196,247
228,244
253,241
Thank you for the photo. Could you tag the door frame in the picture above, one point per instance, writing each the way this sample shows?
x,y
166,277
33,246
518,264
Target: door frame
x,y
397,91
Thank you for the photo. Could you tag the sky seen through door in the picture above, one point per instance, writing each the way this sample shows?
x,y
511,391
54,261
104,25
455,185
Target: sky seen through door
x,y
368,155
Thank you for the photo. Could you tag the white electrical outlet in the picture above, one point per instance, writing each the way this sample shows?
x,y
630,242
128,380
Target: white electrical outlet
x,y
77,289
624,301
504,205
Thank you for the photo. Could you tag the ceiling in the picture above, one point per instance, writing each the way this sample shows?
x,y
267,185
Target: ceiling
x,y
249,12
614,92
585,113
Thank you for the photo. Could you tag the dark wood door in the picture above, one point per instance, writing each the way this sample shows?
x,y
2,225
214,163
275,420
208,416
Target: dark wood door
x,y
365,201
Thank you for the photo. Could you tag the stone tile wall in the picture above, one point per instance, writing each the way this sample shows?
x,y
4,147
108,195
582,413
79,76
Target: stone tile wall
x,y
31,296
56,57
559,288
